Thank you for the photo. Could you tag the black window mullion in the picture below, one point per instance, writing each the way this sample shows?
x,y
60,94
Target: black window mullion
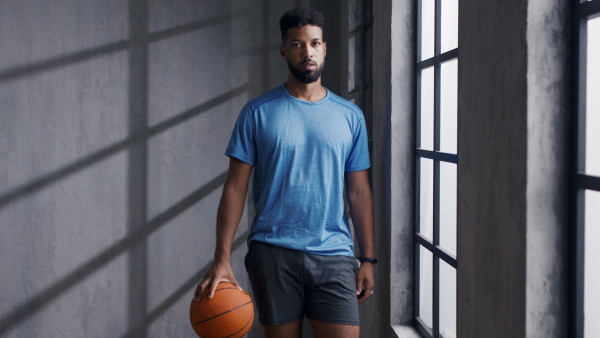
x,y
437,155
580,181
436,170
575,318
417,225
587,9
438,59
418,109
436,243
587,182
417,286
422,328
580,94
419,30
437,251
579,266
436,296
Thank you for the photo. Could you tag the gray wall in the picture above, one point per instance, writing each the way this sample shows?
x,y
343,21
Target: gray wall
x,y
512,172
114,117
492,176
392,173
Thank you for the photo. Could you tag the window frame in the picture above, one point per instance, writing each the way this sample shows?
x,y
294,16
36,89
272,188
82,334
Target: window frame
x,y
580,181
437,156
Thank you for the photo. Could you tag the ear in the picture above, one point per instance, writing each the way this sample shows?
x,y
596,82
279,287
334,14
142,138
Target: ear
x,y
282,52
324,49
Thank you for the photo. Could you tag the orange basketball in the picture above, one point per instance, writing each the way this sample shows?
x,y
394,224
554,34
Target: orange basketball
x,y
230,313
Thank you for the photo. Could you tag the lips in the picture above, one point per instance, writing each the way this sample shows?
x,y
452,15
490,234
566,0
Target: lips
x,y
308,64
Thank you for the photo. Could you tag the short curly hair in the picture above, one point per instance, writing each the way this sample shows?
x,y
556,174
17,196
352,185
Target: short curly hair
x,y
299,17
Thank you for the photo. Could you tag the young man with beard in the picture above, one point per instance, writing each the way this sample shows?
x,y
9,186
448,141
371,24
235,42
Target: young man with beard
x,y
303,143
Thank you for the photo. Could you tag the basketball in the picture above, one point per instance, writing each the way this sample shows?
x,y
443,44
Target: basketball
x,y
230,313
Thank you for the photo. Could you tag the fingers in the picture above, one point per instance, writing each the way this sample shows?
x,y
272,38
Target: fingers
x,y
200,289
365,294
236,284
365,284
211,280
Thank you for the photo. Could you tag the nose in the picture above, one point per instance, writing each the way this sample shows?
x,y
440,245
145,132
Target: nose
x,y
307,52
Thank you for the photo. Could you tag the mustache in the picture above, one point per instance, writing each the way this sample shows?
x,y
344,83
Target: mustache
x,y
311,61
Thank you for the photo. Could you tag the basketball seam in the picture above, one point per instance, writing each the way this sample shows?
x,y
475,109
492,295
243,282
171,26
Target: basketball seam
x,y
198,302
235,308
240,330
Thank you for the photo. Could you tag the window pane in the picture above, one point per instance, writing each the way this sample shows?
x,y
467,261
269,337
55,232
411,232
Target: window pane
x,y
447,300
427,26
425,286
591,291
352,76
448,207
426,198
449,25
448,106
592,156
426,113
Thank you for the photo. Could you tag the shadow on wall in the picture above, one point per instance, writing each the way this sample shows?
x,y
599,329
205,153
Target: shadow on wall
x,y
37,298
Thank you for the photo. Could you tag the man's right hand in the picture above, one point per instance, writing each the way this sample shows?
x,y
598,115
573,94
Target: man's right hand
x,y
218,272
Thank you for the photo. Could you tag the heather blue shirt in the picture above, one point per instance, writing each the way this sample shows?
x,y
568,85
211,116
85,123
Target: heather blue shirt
x,y
300,151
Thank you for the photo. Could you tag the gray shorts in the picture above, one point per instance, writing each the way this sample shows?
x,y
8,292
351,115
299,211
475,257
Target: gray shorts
x,y
288,284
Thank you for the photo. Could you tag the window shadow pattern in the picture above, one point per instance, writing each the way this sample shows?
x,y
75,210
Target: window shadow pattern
x,y
136,145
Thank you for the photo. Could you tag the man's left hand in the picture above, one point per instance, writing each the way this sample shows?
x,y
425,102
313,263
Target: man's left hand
x,y
365,281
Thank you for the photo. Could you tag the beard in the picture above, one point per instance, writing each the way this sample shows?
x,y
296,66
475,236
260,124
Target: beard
x,y
306,76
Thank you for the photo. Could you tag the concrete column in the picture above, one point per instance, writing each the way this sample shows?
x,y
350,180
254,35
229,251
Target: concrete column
x,y
548,99
511,178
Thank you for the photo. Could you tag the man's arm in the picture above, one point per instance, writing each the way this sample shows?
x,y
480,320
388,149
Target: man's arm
x,y
360,201
229,214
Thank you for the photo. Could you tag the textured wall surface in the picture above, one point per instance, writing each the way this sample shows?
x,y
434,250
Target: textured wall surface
x,y
492,170
114,116
400,140
547,167
512,174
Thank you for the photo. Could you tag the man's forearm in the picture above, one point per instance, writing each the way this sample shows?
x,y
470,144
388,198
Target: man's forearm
x,y
361,211
229,215
231,207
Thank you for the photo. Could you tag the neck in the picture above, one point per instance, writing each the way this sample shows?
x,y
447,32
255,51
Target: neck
x,y
311,92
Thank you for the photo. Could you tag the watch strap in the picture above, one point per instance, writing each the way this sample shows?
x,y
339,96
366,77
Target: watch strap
x,y
367,259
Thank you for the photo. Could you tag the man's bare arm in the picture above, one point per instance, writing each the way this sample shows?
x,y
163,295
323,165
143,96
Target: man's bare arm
x,y
229,214
360,201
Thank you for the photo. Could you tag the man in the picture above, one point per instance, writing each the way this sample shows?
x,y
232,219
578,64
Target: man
x,y
303,143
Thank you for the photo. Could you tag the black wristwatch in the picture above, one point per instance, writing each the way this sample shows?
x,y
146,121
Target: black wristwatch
x,y
367,259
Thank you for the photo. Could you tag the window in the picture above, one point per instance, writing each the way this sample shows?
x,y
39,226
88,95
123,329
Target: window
x,y
436,168
585,295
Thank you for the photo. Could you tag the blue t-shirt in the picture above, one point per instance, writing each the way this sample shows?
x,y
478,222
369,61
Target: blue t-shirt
x,y
300,151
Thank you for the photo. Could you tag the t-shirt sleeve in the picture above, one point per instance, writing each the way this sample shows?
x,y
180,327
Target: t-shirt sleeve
x,y
358,158
242,144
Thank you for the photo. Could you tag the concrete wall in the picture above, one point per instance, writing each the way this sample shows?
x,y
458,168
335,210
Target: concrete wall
x,y
375,312
513,100
492,169
393,164
114,119
548,103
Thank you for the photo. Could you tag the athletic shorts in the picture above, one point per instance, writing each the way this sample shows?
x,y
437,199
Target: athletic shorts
x,y
289,284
